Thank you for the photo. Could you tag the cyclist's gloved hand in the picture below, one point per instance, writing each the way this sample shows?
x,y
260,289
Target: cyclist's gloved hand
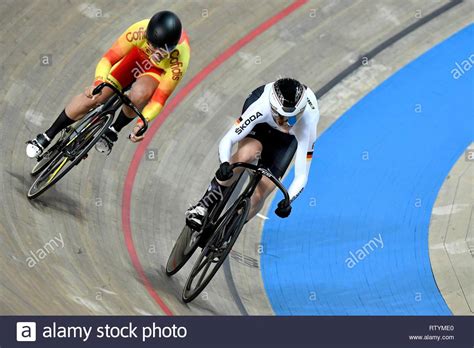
x,y
224,172
283,210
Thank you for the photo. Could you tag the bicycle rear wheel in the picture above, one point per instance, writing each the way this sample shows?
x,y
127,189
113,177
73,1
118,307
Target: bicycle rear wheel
x,y
70,154
183,249
216,250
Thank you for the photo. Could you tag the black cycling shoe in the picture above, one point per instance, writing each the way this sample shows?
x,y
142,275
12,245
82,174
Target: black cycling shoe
x,y
36,146
195,217
106,142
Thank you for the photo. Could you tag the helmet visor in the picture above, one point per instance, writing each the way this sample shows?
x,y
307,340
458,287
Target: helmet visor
x,y
291,121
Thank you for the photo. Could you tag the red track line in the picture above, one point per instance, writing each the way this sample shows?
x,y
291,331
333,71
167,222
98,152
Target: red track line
x,y
142,147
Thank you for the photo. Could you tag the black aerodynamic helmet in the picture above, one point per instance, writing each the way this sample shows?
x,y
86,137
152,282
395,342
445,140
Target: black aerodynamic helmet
x,y
164,30
288,99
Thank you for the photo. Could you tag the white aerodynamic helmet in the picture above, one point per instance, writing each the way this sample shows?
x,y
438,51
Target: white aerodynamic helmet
x,y
288,100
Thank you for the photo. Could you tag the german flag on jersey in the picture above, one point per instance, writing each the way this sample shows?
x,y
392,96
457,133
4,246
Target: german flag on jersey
x,y
309,155
237,122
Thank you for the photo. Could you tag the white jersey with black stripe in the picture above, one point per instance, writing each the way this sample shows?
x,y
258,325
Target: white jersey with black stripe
x,y
305,132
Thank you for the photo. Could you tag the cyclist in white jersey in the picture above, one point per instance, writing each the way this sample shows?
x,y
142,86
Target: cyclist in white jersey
x,y
278,120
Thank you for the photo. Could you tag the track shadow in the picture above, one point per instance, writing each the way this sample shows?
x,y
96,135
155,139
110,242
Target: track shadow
x,y
173,286
52,199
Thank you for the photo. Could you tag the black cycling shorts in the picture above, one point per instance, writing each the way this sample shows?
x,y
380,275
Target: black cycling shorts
x,y
278,148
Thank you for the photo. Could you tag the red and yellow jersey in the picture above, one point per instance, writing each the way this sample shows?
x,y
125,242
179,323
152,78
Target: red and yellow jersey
x,y
168,72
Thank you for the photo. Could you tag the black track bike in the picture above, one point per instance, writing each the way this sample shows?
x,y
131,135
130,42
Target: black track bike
x,y
223,225
75,141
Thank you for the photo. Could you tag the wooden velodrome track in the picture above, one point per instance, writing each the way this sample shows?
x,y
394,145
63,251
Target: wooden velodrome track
x,y
93,272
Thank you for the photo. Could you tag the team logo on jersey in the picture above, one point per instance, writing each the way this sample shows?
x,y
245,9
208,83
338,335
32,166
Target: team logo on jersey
x,y
244,124
175,65
135,35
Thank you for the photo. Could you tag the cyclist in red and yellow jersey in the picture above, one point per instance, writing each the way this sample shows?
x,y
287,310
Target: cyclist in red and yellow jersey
x,y
152,56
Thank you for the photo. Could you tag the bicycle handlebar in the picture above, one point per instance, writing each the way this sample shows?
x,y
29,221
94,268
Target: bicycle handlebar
x,y
264,172
126,100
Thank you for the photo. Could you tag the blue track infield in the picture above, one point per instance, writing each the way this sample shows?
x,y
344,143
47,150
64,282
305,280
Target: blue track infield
x,y
357,240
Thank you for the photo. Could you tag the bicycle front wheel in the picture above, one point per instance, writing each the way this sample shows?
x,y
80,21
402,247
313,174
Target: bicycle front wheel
x,y
47,159
216,250
71,153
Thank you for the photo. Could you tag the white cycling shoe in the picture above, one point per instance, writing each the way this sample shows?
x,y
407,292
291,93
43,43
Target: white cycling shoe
x,y
106,141
195,217
36,146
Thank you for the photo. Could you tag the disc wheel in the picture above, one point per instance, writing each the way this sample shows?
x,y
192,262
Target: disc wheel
x,y
183,249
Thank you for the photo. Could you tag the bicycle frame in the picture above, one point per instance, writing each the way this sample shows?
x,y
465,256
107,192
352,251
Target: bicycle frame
x,y
225,231
111,105
257,172
69,151
117,100
262,171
